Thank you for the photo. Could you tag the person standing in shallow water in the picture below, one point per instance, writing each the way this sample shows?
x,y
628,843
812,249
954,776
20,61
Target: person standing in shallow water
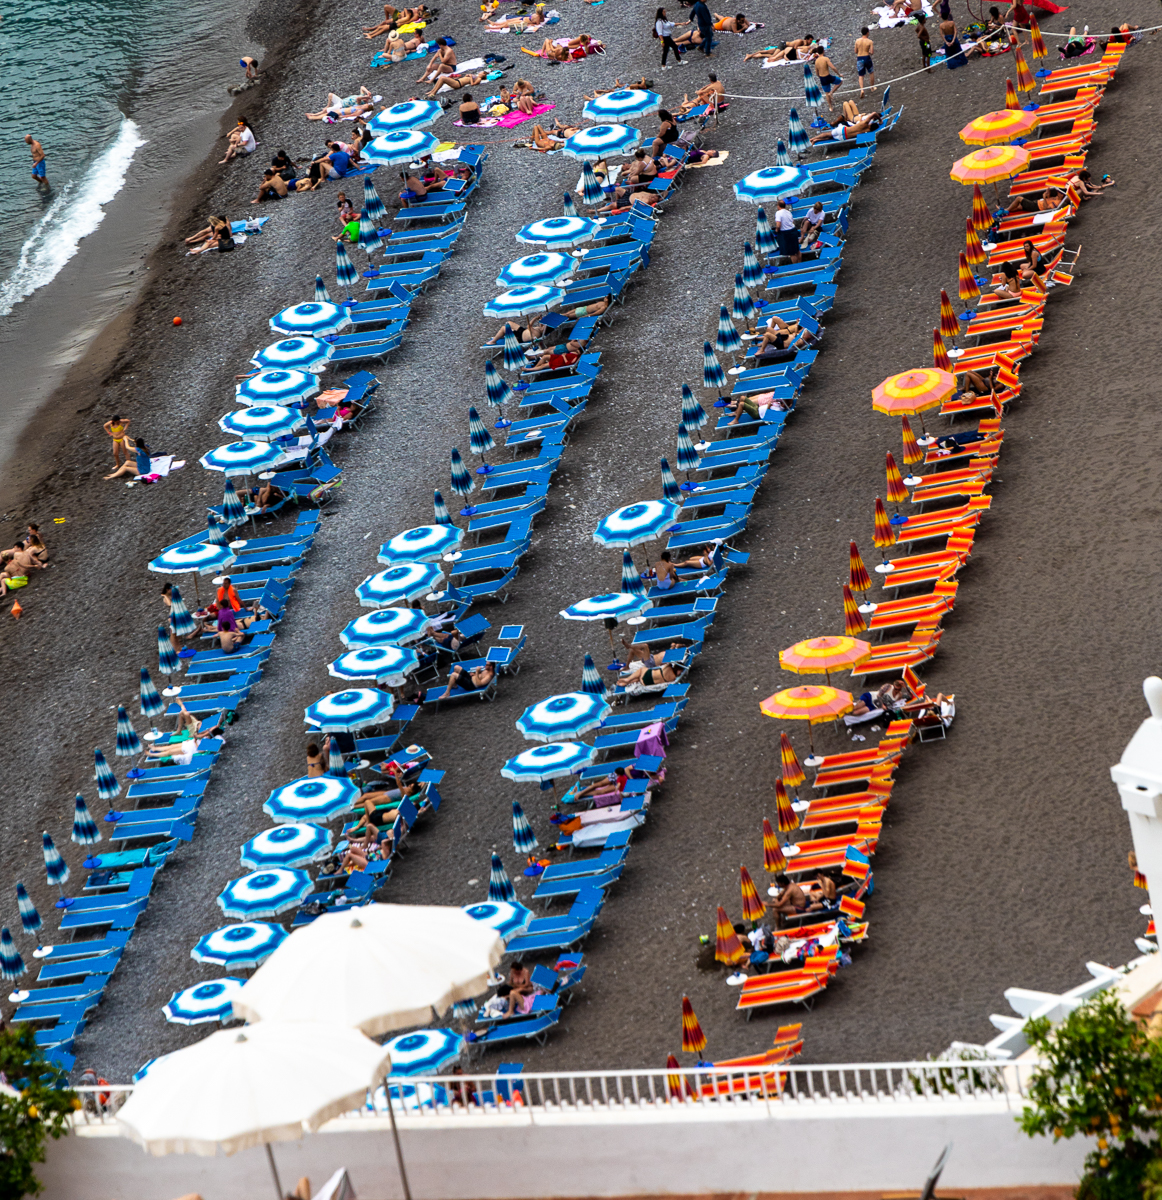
x,y
39,166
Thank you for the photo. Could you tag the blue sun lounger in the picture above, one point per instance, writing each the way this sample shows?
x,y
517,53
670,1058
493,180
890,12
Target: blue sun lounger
x,y
113,940
541,1005
124,917
428,212
832,203
554,889
534,1028
71,1012
576,867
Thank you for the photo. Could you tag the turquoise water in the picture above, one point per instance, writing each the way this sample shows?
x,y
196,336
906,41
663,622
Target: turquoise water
x,y
100,83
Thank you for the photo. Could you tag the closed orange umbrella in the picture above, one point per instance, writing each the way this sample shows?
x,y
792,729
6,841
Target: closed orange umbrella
x,y
812,704
940,359
1039,50
727,947
753,909
787,817
853,620
793,775
990,164
897,493
693,1039
678,1086
913,392
1025,80
912,452
1011,100
774,860
858,578
994,128
982,217
822,655
885,532
948,325
969,291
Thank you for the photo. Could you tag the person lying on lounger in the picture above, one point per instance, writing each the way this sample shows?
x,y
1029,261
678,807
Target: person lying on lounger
x,y
974,387
647,676
642,654
475,680
756,406
639,173
593,309
797,898
266,495
560,356
954,443
343,106
1051,199
841,131
1010,286
888,698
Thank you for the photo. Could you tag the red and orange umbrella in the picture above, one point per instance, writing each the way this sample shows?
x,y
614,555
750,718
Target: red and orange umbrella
x,y
940,359
994,128
948,324
969,290
914,392
1039,50
812,704
858,578
822,655
793,775
1011,100
853,620
753,909
785,814
677,1085
990,164
693,1039
727,948
897,493
773,859
884,534
1025,80
912,452
982,217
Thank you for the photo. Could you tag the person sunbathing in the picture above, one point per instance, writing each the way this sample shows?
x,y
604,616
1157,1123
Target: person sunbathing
x,y
1086,188
888,698
975,387
266,495
343,106
17,563
560,356
475,680
641,172
704,95
756,406
316,762
842,131
795,899
795,50
736,24
642,655
455,82
647,676
594,309
501,24
445,55
607,783
209,234
544,141
397,46
532,334
564,51
1010,286
519,97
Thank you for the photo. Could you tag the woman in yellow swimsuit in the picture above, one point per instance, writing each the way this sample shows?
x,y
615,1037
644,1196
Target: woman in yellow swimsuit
x,y
115,427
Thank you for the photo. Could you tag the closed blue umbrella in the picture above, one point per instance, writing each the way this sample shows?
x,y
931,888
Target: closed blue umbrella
x,y
336,767
625,103
631,579
241,458
797,137
107,786
313,319
291,845
373,206
11,964
687,455
321,798
400,146
567,715
713,375
602,141
412,114
277,386
399,584
128,743
592,193
591,680
633,524
499,885
424,1051
524,841
529,298
297,353
321,292
440,509
389,665
203,1002
782,157
550,761
693,414
233,510
479,439
764,236
555,232
462,483
514,356
167,659
752,273
425,543
568,208
669,484
743,305
386,627
262,422
29,917
152,705
811,89
350,710
244,945
85,831
216,531
727,340
198,558
56,868
368,234
265,893
611,606
533,269
180,620
496,386
345,274
771,183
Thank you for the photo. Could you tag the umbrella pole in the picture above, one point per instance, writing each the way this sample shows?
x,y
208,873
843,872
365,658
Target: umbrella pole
x,y
407,1192
197,593
274,1172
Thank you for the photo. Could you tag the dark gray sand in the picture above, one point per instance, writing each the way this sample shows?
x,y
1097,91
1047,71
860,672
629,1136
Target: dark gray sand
x,y
1002,859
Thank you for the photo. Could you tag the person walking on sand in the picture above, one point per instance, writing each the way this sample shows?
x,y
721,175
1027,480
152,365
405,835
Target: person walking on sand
x,y
703,18
864,49
115,427
39,168
922,36
829,78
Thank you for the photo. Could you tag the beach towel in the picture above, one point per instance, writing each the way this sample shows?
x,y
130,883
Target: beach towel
x,y
887,21
516,117
253,225
383,60
161,466
483,123
780,62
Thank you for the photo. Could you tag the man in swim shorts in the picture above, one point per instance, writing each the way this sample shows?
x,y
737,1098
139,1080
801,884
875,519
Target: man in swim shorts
x,y
39,170
829,77
864,49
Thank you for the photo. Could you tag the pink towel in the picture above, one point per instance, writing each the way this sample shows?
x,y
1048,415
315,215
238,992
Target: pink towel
x,y
516,117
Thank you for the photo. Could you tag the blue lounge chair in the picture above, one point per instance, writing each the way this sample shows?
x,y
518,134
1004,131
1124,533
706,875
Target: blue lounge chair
x,y
534,1028
68,1011
553,889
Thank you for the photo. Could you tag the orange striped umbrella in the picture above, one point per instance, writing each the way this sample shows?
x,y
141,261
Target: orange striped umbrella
x,y
940,359
897,493
1011,100
1025,80
774,860
948,324
793,775
982,217
912,452
885,532
916,391
991,163
853,620
727,947
693,1039
969,290
994,128
812,704
753,909
822,655
787,817
1039,50
858,578
676,1085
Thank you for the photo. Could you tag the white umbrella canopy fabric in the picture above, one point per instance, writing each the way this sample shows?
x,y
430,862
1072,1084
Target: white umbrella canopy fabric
x,y
244,1087
380,967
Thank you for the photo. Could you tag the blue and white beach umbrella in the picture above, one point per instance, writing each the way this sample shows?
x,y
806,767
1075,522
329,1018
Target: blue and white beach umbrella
x,y
669,484
11,964
500,887
591,680
347,711
693,414
399,146
505,916
321,798
265,893
624,104
514,358
85,831
203,1002
531,298
568,207
551,761
687,455
197,558
262,422
496,386
107,786
277,387
633,524
389,665
424,1051
727,340
555,232
742,307
761,187
336,767
54,865
167,659
242,458
399,584
592,193
321,292
29,917
179,615
345,274
811,89
299,353
233,510
524,841
128,743
373,206
713,375
313,319
764,236
479,439
386,627
544,268
293,845
782,155
568,715
610,606
216,531
631,581
425,543
368,234
440,509
462,483
412,114
797,137
752,272
152,705
601,141
244,945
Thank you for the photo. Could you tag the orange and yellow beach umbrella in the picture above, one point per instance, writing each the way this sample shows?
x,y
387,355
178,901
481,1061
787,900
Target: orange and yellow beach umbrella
x,y
812,704
1025,80
727,947
1011,100
822,655
774,860
785,813
793,775
982,218
897,493
949,327
969,288
858,578
753,909
1004,125
940,359
990,164
884,534
693,1039
853,620
912,452
1039,50
913,392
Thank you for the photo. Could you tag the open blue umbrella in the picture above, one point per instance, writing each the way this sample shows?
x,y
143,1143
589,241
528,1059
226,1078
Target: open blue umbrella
x,y
611,606
292,845
496,386
797,137
602,141
551,761
424,1051
623,104
29,917
107,786
752,272
631,579
350,710
233,510
56,868
399,584
368,234
479,439
386,627
297,353
128,743
462,483
11,964
241,458
277,386
742,305
505,916
693,414
440,509
244,945
320,798
771,183
412,114
669,484
687,455
167,659
198,558
321,292
514,358
812,92
262,422
400,146
499,885
180,620
555,232
389,665
216,531
312,319
85,831
373,206
152,705
524,841
425,543
591,680
345,274
568,208
544,268
567,715
592,193
528,298
265,893
727,340
782,157
203,1002
336,767
633,524
764,236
